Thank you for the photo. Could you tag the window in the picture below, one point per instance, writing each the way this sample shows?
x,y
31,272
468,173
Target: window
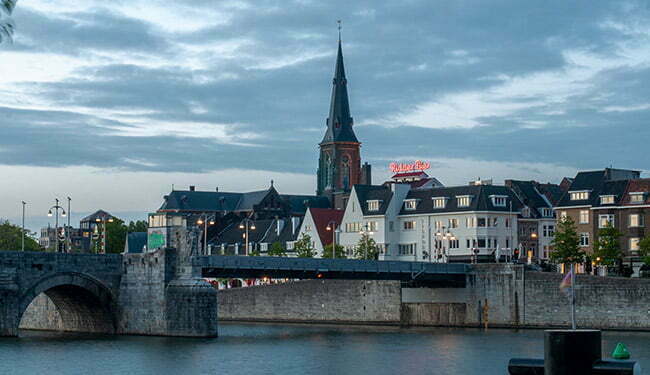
x,y
372,226
606,199
494,222
410,204
409,225
637,197
635,220
634,244
498,200
584,239
548,230
453,223
525,212
563,215
438,224
463,200
605,220
454,244
439,202
391,226
507,222
584,216
482,222
579,195
547,212
482,243
470,222
307,228
373,205
352,227
407,249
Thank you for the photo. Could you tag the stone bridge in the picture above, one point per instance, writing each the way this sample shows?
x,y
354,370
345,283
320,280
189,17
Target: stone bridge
x,y
164,292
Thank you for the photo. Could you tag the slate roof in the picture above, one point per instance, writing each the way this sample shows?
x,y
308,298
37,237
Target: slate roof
x,y
99,214
373,192
641,185
265,232
552,192
135,241
480,199
322,217
339,121
297,202
603,182
529,195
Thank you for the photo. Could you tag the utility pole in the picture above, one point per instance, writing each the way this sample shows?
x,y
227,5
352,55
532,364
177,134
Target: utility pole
x,y
68,240
23,238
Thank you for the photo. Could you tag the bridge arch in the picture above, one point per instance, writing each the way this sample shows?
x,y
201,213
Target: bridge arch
x,y
83,303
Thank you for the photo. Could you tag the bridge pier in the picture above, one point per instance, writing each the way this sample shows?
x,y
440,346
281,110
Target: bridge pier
x,y
9,319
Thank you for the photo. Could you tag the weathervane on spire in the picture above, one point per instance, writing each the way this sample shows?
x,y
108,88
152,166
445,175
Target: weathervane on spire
x,y
339,22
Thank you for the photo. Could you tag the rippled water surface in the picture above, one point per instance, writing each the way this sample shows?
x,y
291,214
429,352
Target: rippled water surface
x,y
289,349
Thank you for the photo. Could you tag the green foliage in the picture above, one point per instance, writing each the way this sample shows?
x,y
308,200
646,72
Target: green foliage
x,y
11,238
567,243
115,236
366,248
607,247
303,247
254,253
644,250
138,226
340,252
277,250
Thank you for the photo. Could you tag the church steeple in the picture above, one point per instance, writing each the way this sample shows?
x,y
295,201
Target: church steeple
x,y
339,122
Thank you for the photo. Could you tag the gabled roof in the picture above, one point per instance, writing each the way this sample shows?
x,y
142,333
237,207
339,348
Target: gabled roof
x,y
322,217
529,195
552,192
339,121
366,193
99,214
608,181
641,185
480,201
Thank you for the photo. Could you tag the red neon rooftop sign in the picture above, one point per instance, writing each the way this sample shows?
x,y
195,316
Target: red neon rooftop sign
x,y
418,165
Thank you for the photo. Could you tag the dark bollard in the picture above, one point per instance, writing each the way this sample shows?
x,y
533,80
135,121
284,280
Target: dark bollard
x,y
570,352
616,368
526,366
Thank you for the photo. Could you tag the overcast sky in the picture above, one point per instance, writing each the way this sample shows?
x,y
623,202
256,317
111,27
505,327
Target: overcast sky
x,y
111,103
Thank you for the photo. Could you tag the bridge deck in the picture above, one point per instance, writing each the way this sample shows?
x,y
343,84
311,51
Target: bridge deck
x,y
439,274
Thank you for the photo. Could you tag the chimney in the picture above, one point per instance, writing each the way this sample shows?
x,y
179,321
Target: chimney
x,y
192,188
217,189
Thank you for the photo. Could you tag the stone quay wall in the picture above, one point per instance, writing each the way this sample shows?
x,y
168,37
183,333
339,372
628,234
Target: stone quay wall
x,y
335,301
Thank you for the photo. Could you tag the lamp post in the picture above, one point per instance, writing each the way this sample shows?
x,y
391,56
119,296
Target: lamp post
x,y
56,208
67,232
205,221
365,229
334,227
23,227
103,222
533,237
247,224
443,233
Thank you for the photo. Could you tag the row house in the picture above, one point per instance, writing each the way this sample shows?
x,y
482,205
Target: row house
x,y
322,225
615,197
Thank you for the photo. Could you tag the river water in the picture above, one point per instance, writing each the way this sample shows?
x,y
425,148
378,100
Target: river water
x,y
289,349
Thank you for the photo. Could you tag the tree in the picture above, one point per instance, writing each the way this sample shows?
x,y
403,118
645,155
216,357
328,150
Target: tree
x,y
116,232
11,238
277,250
138,226
340,252
644,250
567,243
366,248
6,22
607,247
303,247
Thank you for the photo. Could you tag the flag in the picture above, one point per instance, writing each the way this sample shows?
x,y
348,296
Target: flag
x,y
566,283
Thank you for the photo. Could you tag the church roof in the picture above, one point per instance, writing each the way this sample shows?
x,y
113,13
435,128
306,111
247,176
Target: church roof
x,y
339,122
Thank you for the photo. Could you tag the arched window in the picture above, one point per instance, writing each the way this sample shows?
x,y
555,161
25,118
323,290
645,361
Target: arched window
x,y
345,172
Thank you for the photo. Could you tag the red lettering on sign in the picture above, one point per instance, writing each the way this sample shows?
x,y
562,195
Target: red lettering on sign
x,y
418,165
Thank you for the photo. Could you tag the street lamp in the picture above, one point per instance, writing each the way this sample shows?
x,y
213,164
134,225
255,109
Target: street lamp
x,y
247,224
103,221
334,227
205,221
56,208
23,238
68,240
442,233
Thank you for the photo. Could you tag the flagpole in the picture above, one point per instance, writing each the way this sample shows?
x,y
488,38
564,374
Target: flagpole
x,y
573,297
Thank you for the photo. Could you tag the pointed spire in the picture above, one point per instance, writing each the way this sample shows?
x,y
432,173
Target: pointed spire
x,y
339,122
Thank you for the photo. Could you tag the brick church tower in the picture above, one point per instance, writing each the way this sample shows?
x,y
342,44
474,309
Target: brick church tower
x,y
339,164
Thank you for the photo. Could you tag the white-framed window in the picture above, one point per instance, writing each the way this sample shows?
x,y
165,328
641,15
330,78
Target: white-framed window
x,y
525,212
584,239
453,223
579,195
548,230
470,222
463,200
439,202
499,200
307,228
353,227
481,222
438,224
547,212
584,216
635,221
563,215
410,204
637,197
454,244
634,244
606,199
408,225
290,245
605,220
407,249
372,226
373,205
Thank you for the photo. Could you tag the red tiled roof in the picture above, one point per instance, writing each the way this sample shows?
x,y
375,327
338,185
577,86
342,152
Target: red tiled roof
x,y
637,186
323,216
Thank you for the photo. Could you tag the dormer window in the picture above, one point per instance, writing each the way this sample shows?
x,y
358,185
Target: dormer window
x,y
581,195
373,205
637,197
439,202
606,199
410,204
547,212
463,200
499,200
